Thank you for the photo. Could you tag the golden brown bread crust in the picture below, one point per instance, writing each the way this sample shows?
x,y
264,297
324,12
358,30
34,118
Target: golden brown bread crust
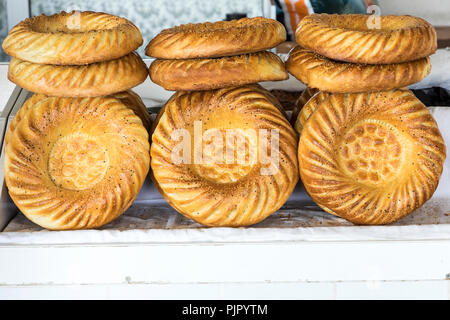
x,y
76,163
256,87
218,39
128,98
308,109
371,158
58,39
333,76
348,38
133,101
93,80
223,194
270,96
306,95
32,101
208,74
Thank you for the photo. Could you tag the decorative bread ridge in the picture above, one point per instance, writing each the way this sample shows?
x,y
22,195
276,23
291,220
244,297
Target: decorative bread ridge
x,y
75,163
333,76
133,101
223,194
308,109
93,80
128,98
371,158
348,38
207,74
255,86
73,38
311,106
218,39
29,103
306,95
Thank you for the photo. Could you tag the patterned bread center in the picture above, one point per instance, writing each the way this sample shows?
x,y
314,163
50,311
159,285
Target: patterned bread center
x,y
228,156
371,152
77,162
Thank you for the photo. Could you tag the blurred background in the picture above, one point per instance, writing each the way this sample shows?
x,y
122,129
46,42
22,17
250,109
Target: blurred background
x,y
151,16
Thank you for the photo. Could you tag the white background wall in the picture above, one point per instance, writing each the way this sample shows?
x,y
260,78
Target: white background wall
x,y
436,12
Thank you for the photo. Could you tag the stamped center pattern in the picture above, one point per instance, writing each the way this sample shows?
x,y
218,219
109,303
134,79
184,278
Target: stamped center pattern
x,y
371,152
227,160
77,162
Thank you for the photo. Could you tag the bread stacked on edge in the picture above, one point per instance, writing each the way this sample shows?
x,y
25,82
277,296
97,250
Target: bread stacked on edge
x,y
77,152
369,150
215,67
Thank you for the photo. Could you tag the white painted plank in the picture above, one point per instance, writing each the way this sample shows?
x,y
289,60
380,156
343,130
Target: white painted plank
x,y
240,291
204,263
394,290
175,291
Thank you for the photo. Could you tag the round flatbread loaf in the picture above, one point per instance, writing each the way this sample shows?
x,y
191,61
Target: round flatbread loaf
x,y
93,80
73,38
208,74
333,76
308,109
353,38
133,101
218,39
306,95
128,98
371,158
206,174
74,163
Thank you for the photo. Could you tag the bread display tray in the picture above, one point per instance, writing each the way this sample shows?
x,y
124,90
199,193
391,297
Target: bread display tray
x,y
151,219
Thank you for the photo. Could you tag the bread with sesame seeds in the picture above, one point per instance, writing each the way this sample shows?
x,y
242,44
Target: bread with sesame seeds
x,y
319,72
76,163
371,158
92,80
218,39
207,74
72,38
228,186
129,98
367,39
308,109
305,96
